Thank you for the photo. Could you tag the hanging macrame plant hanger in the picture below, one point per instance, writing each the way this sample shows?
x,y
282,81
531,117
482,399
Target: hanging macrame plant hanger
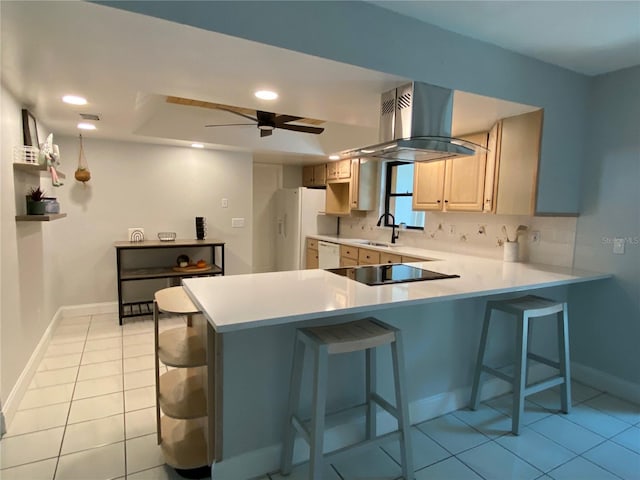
x,y
82,173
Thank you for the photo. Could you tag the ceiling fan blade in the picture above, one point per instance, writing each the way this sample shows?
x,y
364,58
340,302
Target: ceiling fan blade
x,y
265,133
301,128
280,119
231,125
238,113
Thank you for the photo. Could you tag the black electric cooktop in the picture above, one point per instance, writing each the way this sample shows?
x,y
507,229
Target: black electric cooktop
x,y
386,274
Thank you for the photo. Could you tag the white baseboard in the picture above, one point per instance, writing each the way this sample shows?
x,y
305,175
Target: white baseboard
x,y
10,407
90,309
24,380
607,383
350,428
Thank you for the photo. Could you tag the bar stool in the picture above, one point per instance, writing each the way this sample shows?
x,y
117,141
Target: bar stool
x,y
526,308
367,335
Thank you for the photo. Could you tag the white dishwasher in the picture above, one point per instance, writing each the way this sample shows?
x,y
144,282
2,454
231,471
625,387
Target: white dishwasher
x,y
328,255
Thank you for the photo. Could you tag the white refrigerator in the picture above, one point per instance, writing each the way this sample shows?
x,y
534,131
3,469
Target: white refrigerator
x,y
299,212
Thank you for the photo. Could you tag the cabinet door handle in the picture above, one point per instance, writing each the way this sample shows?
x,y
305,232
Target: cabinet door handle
x,y
438,201
446,201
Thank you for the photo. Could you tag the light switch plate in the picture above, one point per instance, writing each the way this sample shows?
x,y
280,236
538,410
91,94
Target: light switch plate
x,y
618,246
224,203
237,222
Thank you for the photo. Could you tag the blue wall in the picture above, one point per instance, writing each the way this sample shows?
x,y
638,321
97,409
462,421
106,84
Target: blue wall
x,y
443,338
363,34
606,316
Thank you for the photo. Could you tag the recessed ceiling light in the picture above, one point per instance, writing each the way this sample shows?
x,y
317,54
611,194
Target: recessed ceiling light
x,y
197,145
86,126
266,95
74,100
334,157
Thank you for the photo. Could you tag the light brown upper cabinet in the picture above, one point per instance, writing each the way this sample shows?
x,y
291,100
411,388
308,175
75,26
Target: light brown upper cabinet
x,y
355,191
314,175
339,170
452,185
512,164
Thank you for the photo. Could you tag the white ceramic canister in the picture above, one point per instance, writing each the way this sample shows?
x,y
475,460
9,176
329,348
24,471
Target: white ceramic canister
x,y
510,252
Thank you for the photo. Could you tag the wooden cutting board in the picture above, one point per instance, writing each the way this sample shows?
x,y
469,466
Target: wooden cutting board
x,y
192,269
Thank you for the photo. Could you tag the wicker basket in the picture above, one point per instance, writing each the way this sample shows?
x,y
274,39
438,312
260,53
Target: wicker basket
x,y
25,154
166,236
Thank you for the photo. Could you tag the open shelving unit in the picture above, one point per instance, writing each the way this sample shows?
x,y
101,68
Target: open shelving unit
x,y
35,169
188,397
39,170
40,218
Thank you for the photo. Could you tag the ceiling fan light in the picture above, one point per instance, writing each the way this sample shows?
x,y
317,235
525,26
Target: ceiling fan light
x,y
266,127
266,95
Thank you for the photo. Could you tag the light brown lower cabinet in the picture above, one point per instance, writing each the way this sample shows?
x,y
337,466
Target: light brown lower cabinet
x,y
348,262
390,258
311,257
368,257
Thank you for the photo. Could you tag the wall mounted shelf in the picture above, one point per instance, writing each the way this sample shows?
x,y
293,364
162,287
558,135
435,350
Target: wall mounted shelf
x,y
40,218
35,169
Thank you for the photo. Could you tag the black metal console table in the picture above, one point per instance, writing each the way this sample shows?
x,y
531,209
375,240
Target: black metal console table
x,y
155,260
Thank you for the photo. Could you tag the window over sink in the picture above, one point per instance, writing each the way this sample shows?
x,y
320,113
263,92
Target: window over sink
x,y
398,193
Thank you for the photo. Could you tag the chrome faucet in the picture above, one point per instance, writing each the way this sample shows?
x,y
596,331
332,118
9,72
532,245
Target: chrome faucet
x,y
394,235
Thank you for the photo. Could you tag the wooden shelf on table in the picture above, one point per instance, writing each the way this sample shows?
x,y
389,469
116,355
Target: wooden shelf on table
x,y
182,393
182,347
40,218
164,272
184,443
35,169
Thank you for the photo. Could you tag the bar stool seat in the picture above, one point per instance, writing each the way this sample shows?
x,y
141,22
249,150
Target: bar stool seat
x,y
525,309
362,335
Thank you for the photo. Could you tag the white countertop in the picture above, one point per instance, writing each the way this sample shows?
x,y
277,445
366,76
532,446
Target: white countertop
x,y
239,302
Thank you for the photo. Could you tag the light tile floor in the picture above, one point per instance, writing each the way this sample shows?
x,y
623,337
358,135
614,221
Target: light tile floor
x,y
89,414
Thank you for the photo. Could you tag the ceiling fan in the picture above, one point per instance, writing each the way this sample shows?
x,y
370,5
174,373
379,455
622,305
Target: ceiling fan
x,y
267,122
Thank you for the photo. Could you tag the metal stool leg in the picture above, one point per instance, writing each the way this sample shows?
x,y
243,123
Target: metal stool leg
x,y
371,381
520,374
292,409
563,358
402,405
475,390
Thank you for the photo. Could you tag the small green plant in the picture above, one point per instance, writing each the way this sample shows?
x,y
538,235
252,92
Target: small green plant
x,y
36,194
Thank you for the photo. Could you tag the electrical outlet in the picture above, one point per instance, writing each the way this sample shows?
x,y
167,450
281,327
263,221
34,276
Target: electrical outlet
x,y
618,246
534,237
225,203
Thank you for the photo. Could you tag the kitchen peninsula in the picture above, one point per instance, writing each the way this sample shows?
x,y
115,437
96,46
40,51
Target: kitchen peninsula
x,y
441,319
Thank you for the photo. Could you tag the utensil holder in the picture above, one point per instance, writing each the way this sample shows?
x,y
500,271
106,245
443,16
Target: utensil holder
x,y
510,252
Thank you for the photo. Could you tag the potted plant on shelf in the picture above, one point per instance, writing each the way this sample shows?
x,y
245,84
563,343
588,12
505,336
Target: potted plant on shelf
x,y
35,201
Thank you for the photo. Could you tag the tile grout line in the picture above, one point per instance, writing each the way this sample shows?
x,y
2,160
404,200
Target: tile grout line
x,y
124,404
55,471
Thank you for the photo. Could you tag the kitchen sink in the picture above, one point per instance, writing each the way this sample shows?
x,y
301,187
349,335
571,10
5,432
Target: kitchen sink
x,y
373,243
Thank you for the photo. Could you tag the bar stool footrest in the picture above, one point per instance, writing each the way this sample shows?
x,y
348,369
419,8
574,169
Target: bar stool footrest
x,y
386,405
302,429
498,373
544,360
544,385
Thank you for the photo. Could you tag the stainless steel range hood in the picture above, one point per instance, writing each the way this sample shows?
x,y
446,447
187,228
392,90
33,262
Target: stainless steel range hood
x,y
415,126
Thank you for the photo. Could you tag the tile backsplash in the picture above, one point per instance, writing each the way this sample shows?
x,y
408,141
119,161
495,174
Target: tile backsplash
x,y
477,234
